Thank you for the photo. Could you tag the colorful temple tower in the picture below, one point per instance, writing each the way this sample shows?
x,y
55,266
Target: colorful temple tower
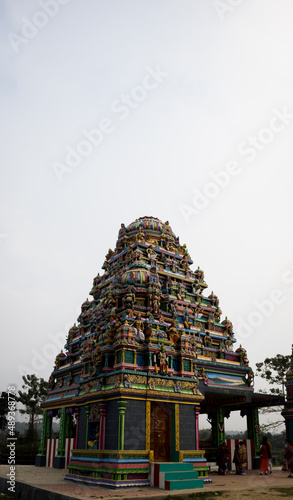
x,y
149,353
288,409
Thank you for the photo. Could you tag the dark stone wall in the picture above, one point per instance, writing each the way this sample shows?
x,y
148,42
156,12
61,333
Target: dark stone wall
x,y
187,427
81,429
134,428
112,422
135,422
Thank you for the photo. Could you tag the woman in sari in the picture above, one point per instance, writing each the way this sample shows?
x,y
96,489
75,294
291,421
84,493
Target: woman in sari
x,y
264,457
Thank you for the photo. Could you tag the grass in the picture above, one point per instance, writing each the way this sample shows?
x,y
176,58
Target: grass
x,y
286,492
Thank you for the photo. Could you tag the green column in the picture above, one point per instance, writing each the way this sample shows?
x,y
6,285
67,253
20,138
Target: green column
x,y
42,449
59,460
87,412
49,427
121,408
150,359
218,426
68,426
253,433
61,447
41,456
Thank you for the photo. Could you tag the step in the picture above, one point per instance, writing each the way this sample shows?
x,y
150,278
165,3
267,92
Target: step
x,y
174,466
159,469
183,484
171,476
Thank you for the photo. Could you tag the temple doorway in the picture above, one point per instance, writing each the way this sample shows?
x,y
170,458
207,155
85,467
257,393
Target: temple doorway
x,y
160,438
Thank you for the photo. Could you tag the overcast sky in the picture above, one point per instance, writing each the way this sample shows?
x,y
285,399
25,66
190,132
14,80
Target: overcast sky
x,y
116,109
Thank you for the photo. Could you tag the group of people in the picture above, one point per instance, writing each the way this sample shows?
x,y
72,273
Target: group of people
x,y
266,458
240,458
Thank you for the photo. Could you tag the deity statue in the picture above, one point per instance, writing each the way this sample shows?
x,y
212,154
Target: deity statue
x,y
250,378
177,387
127,383
59,358
229,345
51,382
128,298
121,230
163,360
228,326
140,235
152,386
242,355
138,327
207,340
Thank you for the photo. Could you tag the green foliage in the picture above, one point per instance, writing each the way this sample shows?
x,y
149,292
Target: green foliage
x,y
240,435
3,410
273,370
31,398
205,434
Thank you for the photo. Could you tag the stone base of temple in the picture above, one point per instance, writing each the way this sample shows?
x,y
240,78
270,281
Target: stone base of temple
x,y
108,483
59,463
112,469
116,469
40,461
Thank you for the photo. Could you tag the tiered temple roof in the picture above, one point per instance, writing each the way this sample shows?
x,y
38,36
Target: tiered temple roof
x,y
149,316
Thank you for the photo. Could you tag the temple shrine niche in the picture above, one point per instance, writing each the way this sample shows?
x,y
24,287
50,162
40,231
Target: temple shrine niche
x,y
148,354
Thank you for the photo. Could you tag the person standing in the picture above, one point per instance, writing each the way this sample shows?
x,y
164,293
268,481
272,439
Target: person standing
x,y
222,457
289,456
235,459
242,458
264,457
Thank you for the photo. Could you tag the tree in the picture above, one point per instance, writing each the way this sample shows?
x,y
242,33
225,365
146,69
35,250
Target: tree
x,y
273,370
34,392
3,410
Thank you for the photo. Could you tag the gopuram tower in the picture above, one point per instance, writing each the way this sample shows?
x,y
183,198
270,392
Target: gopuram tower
x,y
148,353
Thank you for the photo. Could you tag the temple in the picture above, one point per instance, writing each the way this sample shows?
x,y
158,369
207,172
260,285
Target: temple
x,y
148,354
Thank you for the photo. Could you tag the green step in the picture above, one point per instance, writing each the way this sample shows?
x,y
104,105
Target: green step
x,y
176,467
171,476
183,484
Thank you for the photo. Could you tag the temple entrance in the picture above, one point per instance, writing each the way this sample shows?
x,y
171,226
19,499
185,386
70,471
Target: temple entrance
x,y
160,439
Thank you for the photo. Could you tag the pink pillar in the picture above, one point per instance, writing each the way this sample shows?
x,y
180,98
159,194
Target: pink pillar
x,y
197,411
103,411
